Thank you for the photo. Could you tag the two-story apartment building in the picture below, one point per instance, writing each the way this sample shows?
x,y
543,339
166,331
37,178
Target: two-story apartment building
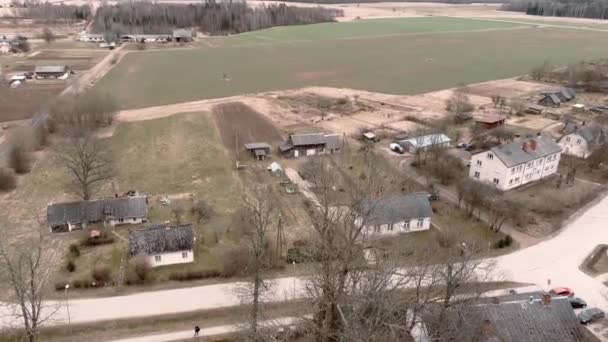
x,y
512,165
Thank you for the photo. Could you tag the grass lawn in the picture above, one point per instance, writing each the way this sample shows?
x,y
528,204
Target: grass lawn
x,y
401,56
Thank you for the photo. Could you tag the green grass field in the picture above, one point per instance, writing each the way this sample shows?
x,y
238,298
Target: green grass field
x,y
399,56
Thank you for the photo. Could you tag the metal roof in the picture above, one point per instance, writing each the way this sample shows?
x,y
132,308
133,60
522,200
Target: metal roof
x,y
59,214
333,141
594,134
307,139
161,238
428,140
517,320
255,146
51,69
396,209
182,33
513,153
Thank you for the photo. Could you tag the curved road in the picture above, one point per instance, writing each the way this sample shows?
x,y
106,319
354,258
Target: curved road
x,y
557,259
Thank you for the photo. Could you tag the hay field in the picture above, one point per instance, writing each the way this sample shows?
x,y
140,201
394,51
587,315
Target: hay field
x,y
395,56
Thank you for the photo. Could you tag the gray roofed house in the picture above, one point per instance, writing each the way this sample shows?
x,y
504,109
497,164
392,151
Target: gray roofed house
x,y
582,140
259,150
516,153
311,144
182,35
594,134
398,213
69,216
556,97
425,142
163,244
516,319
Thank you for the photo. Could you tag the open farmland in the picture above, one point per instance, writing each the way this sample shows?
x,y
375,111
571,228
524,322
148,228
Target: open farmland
x,y
398,56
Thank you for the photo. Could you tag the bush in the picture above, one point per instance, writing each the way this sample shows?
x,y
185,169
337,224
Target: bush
x,y
70,267
234,261
8,181
141,46
194,275
142,267
101,274
504,242
74,250
96,241
19,158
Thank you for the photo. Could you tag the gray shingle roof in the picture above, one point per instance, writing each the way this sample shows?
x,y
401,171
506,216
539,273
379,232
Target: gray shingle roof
x,y
397,209
307,139
161,238
594,134
50,69
333,141
255,146
59,214
513,153
519,320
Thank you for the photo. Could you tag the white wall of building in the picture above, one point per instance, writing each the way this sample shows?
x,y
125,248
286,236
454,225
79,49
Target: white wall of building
x,y
164,259
574,145
487,167
413,225
119,222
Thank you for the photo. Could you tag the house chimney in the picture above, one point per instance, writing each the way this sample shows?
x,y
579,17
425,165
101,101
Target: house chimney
x,y
524,146
533,144
546,300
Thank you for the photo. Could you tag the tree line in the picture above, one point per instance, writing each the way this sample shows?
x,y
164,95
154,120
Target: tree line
x,y
210,17
376,1
595,9
48,11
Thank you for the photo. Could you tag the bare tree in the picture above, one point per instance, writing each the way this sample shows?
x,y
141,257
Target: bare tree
x,y
87,161
27,269
47,35
257,214
459,104
202,210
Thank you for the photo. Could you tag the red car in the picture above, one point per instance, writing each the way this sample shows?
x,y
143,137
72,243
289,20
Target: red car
x,y
561,292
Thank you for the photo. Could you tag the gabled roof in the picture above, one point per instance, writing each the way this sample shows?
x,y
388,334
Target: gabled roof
x,y
333,141
594,134
255,146
428,140
51,68
307,139
161,238
490,118
518,320
513,153
59,214
397,208
553,97
182,33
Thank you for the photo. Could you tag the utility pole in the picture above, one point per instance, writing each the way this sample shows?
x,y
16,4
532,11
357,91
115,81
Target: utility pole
x,y
280,238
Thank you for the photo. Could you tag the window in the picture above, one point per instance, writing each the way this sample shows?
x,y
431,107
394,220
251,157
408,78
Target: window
x,y
516,179
540,161
495,180
376,229
530,164
406,225
420,223
513,170
184,255
567,139
479,162
578,141
121,220
476,175
519,167
510,181
490,156
389,227
528,176
157,258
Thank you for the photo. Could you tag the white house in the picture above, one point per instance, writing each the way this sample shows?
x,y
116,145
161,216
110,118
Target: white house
x,y
68,216
424,142
511,165
91,37
397,214
581,141
163,244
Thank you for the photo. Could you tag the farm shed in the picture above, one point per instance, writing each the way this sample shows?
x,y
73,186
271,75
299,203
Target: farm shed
x,y
50,71
555,98
163,244
489,121
311,144
535,109
425,142
182,35
259,150
68,216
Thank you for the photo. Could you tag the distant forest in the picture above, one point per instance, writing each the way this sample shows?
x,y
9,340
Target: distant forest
x,y
210,17
330,2
595,9
48,12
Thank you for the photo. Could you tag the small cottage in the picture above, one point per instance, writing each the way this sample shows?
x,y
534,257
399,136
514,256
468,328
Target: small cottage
x,y
259,150
397,214
163,244
311,144
583,139
182,36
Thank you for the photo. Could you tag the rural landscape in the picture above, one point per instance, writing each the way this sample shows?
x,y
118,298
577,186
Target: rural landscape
x,y
303,171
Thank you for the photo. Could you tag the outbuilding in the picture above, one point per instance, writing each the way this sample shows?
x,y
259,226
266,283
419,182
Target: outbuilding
x,y
425,142
489,121
259,150
50,71
163,244
182,35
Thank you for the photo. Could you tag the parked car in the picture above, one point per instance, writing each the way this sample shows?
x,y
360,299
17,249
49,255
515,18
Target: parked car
x,y
561,292
469,147
577,303
590,315
396,148
461,145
